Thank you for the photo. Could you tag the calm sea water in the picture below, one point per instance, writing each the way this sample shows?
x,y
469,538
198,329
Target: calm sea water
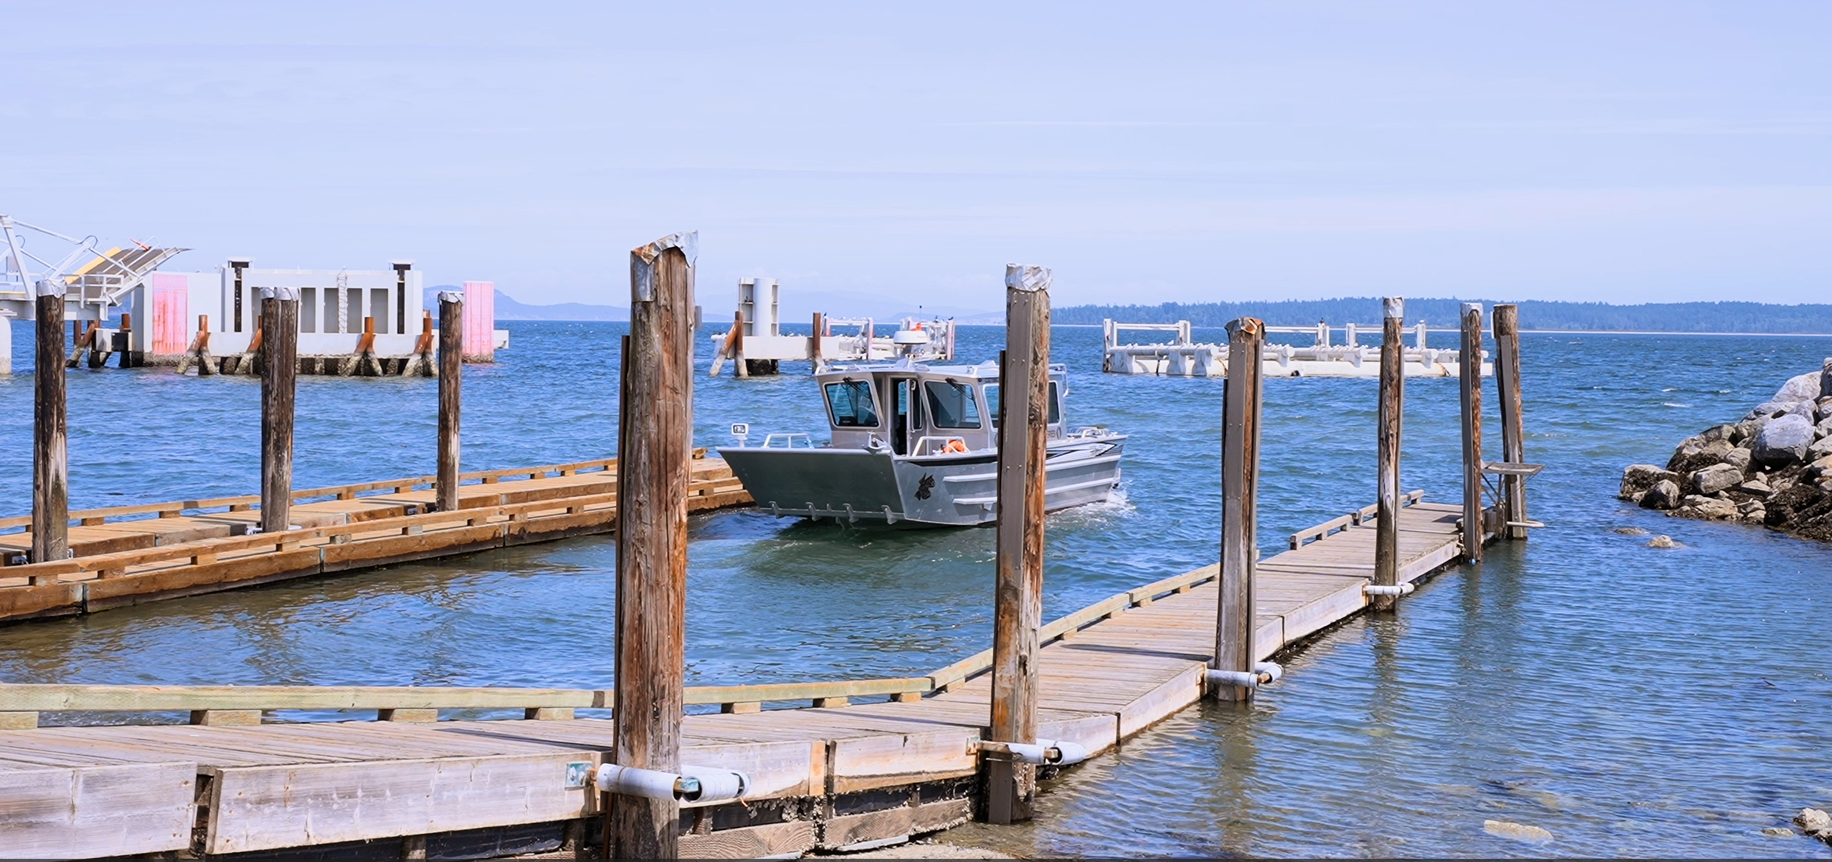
x,y
1632,701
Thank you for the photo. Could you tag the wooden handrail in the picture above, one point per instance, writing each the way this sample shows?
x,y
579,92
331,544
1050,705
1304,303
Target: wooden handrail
x,y
90,517
34,697
39,697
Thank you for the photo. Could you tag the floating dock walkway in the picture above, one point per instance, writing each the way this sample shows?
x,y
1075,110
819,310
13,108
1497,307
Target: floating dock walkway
x,y
838,774
127,555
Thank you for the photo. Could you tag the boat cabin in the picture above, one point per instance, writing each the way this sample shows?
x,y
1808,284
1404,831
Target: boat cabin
x,y
922,410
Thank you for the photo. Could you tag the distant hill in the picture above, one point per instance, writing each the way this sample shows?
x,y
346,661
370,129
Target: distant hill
x,y
798,306
1534,314
507,308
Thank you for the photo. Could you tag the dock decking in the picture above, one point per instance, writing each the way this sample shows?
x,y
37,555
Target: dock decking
x,y
128,555
835,775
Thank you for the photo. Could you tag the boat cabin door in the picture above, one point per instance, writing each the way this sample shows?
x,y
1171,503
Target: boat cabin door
x,y
906,414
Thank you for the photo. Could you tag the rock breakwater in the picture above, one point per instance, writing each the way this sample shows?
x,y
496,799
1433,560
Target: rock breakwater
x,y
1774,467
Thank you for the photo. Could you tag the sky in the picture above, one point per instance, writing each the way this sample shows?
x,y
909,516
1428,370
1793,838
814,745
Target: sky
x,y
1613,151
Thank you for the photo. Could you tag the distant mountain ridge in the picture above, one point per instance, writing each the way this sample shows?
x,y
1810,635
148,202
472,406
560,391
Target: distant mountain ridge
x,y
507,308
1752,317
797,307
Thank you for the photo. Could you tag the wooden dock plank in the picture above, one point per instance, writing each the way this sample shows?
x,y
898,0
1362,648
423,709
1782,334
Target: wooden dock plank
x,y
57,812
284,786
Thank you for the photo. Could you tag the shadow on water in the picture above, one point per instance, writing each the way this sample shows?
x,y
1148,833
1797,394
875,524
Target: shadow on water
x,y
1631,701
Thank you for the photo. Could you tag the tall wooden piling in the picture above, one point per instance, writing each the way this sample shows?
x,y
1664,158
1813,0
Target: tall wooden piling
x,y
655,420
451,373
1018,596
279,369
1240,444
1392,409
1470,379
1513,428
50,424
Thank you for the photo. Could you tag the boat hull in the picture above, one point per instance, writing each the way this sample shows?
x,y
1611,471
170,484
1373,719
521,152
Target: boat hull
x,y
862,486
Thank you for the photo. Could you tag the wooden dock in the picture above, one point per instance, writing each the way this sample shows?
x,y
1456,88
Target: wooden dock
x,y
128,555
833,772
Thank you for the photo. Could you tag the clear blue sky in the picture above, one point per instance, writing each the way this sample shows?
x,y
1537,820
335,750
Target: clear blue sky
x,y
1621,151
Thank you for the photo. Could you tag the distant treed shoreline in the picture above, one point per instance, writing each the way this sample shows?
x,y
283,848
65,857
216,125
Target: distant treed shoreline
x,y
1676,317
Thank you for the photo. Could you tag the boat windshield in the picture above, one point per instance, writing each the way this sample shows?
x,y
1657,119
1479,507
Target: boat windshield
x,y
952,405
992,403
849,403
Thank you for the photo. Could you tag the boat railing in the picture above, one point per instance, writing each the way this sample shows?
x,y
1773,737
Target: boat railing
x,y
788,439
935,445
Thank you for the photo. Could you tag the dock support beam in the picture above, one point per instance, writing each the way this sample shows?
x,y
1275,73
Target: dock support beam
x,y
1018,598
451,373
1469,366
1513,428
50,425
279,371
1392,409
656,417
1240,445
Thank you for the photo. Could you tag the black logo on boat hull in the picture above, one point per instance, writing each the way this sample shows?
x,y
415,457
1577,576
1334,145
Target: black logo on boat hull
x,y
925,486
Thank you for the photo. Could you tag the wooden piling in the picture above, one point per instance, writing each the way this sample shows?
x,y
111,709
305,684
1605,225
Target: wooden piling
x,y
279,369
814,344
50,425
1470,379
743,368
1018,596
1240,418
655,419
128,357
199,351
1506,325
1392,408
451,371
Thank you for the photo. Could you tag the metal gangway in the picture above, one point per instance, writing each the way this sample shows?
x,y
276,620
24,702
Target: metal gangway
x,y
1182,356
92,280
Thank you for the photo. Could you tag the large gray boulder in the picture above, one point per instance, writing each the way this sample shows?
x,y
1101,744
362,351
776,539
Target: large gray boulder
x,y
1715,478
1665,494
1708,507
1773,410
1638,478
1818,450
1825,379
1783,441
1802,388
1718,432
1738,458
1697,453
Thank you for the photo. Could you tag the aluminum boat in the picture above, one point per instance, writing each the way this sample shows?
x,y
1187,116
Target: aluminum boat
x,y
915,445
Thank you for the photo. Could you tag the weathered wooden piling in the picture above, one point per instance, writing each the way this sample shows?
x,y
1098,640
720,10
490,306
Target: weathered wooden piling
x,y
50,426
1470,380
655,419
814,342
1392,409
199,351
1018,594
279,371
1240,446
451,372
1506,325
128,359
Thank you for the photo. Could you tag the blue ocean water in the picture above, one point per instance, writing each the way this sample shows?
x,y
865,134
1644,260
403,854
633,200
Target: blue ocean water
x,y
1632,701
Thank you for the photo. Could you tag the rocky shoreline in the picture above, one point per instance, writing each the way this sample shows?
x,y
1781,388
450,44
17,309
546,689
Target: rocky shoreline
x,y
1773,468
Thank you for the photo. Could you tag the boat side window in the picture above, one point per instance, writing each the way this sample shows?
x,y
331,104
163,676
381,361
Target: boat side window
x,y
952,405
992,403
849,404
